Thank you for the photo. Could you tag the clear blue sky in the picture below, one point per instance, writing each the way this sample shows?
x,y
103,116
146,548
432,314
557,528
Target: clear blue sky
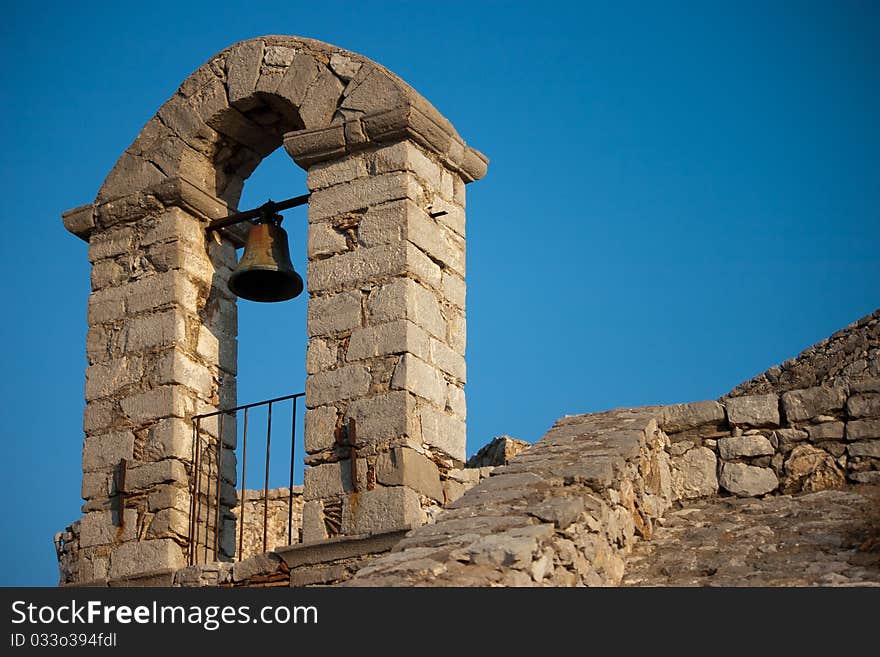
x,y
679,196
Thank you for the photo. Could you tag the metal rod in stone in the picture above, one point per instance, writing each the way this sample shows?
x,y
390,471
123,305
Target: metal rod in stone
x,y
249,215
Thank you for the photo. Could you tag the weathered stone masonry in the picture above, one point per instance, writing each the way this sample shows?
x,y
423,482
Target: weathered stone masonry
x,y
571,508
386,318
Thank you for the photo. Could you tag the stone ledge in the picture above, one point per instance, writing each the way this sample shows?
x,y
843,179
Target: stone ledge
x,y
308,147
343,547
164,578
92,583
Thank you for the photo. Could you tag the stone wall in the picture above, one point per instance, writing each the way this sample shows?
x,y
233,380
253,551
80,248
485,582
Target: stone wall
x,y
849,355
562,513
567,510
277,516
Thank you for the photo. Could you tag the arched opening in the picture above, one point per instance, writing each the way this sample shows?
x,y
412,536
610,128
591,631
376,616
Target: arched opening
x,y
270,359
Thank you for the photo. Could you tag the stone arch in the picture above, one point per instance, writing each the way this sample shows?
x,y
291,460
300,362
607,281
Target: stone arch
x,y
237,108
386,318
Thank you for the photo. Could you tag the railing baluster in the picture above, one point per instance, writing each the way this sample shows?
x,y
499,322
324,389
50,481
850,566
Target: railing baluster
x,y
266,483
243,481
219,488
198,505
192,499
290,484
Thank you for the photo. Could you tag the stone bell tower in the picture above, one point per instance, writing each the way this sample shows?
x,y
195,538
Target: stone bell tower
x,y
386,311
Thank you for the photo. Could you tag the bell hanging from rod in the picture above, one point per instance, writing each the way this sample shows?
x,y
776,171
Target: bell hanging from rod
x,y
265,272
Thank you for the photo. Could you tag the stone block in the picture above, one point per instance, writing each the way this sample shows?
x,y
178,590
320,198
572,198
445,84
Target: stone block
x,y
106,305
98,416
320,355
377,91
325,240
105,451
790,436
397,337
454,219
95,485
336,172
308,147
298,77
443,431
753,411
455,401
866,448
170,438
747,480
161,329
334,314
80,221
802,405
868,384
456,331
110,243
107,273
361,194
169,523
682,417
313,525
381,510
321,99
347,382
165,401
141,556
448,360
167,471
159,290
406,156
454,289
866,404
419,378
862,429
261,564
825,431
332,479
174,225
406,299
355,268
107,527
694,474
404,220
168,496
105,379
809,469
243,70
192,260
344,67
215,347
385,416
406,467
173,366
736,447
320,428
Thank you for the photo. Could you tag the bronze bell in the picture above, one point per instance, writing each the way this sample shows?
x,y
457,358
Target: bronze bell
x,y
265,272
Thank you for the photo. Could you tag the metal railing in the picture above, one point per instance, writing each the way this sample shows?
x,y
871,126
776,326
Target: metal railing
x,y
207,501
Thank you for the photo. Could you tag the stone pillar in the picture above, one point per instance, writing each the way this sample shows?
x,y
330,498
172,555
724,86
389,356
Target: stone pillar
x,y
160,349
386,309
386,322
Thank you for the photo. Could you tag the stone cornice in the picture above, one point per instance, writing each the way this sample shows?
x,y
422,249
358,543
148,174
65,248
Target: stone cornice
x,y
309,147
